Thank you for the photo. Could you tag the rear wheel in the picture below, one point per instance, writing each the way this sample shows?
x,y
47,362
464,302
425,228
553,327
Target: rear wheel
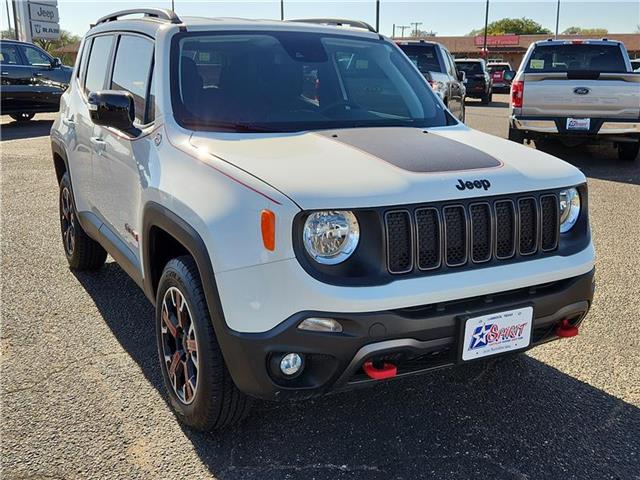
x,y
486,98
628,151
82,252
22,117
200,388
516,136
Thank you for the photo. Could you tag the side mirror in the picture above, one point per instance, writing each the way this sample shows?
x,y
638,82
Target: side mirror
x,y
509,75
112,108
462,76
56,63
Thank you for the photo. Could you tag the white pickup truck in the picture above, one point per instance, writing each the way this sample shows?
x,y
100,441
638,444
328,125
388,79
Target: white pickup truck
x,y
578,91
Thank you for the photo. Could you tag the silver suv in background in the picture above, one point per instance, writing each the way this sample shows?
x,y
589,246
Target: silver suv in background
x,y
579,91
437,65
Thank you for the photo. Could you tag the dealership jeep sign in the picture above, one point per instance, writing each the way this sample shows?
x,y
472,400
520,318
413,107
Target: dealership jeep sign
x,y
37,19
43,12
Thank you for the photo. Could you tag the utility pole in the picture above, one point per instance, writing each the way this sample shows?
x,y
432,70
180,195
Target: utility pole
x,y
415,27
282,10
173,7
402,29
485,51
378,16
393,35
557,19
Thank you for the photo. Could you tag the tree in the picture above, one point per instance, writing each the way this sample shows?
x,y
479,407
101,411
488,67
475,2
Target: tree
x,y
66,38
514,26
596,32
8,34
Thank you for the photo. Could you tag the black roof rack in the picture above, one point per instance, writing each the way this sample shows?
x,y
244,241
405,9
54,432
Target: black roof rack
x,y
337,22
157,13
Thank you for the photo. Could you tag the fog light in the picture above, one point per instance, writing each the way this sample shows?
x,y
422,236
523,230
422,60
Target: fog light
x,y
291,364
321,325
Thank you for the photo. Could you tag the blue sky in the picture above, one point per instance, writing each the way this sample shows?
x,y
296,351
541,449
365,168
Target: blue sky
x,y
444,17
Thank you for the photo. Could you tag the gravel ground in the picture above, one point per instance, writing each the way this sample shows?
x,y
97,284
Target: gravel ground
x,y
82,396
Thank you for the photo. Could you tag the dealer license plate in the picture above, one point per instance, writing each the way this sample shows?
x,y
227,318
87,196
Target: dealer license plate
x,y
578,123
497,333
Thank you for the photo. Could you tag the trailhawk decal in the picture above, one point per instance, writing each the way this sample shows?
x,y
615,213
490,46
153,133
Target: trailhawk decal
x,y
414,149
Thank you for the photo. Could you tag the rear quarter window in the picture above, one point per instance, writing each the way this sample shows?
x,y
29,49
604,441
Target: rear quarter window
x,y
424,57
576,57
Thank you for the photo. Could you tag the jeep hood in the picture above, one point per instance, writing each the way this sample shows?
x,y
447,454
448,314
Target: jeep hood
x,y
364,167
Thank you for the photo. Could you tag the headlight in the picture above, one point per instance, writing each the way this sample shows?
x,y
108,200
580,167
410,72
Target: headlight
x,y
569,209
330,237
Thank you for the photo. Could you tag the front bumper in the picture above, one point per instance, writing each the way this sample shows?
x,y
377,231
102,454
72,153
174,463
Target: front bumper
x,y
609,127
416,339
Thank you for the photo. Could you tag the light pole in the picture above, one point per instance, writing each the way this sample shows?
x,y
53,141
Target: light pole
x,y
378,16
282,10
557,19
485,51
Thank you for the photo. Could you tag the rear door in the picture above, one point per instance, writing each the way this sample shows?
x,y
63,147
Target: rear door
x,y
15,78
585,80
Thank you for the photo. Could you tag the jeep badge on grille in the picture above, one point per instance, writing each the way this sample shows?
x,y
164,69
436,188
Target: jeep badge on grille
x,y
470,185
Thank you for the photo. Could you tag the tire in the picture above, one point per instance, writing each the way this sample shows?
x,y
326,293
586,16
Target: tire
x,y
22,117
82,252
208,400
628,151
516,136
463,117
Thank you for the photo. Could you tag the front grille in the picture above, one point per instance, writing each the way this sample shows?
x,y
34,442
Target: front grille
x,y
428,238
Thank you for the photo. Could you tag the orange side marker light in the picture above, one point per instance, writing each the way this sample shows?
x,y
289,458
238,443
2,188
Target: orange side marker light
x,y
268,227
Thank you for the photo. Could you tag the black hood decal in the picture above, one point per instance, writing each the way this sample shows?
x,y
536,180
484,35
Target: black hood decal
x,y
414,149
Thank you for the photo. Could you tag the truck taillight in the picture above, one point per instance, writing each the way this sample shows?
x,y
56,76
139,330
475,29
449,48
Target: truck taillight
x,y
517,93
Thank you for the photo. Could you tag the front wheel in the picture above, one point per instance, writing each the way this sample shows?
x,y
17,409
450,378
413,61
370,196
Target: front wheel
x,y
628,151
22,117
200,388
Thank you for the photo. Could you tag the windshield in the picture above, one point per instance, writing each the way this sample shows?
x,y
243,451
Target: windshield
x,y
470,67
576,57
423,56
293,81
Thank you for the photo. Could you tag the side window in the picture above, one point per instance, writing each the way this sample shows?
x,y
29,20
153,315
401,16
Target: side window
x,y
449,63
9,55
98,63
84,56
131,71
36,57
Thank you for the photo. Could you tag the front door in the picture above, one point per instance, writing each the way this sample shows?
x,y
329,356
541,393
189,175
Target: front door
x,y
49,80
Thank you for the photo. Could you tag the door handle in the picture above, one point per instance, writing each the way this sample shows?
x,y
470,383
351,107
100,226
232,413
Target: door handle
x,y
38,75
4,73
69,121
99,144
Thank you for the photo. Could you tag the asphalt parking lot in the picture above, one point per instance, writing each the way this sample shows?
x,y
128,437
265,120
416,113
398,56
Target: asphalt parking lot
x,y
82,394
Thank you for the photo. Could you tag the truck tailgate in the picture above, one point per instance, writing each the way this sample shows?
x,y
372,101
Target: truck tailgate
x,y
558,95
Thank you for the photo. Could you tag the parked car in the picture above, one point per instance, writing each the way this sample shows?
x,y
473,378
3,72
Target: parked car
x,y
32,80
436,64
479,83
497,71
578,91
295,244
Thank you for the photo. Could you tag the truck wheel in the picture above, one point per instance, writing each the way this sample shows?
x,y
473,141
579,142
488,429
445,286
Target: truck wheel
x,y
22,117
486,98
628,151
516,136
200,388
82,252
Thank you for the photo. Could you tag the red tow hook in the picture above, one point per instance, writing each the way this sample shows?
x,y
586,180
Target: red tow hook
x,y
566,330
388,370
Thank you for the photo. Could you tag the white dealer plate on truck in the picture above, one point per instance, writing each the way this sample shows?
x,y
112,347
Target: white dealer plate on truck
x,y
578,124
497,333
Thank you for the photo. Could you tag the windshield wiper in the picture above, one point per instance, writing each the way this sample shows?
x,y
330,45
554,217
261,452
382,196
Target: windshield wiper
x,y
232,126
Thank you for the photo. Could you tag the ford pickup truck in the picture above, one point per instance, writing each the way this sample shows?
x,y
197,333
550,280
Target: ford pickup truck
x,y
580,91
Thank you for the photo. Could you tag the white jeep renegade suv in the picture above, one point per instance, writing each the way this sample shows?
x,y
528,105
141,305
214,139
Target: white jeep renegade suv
x,y
304,213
